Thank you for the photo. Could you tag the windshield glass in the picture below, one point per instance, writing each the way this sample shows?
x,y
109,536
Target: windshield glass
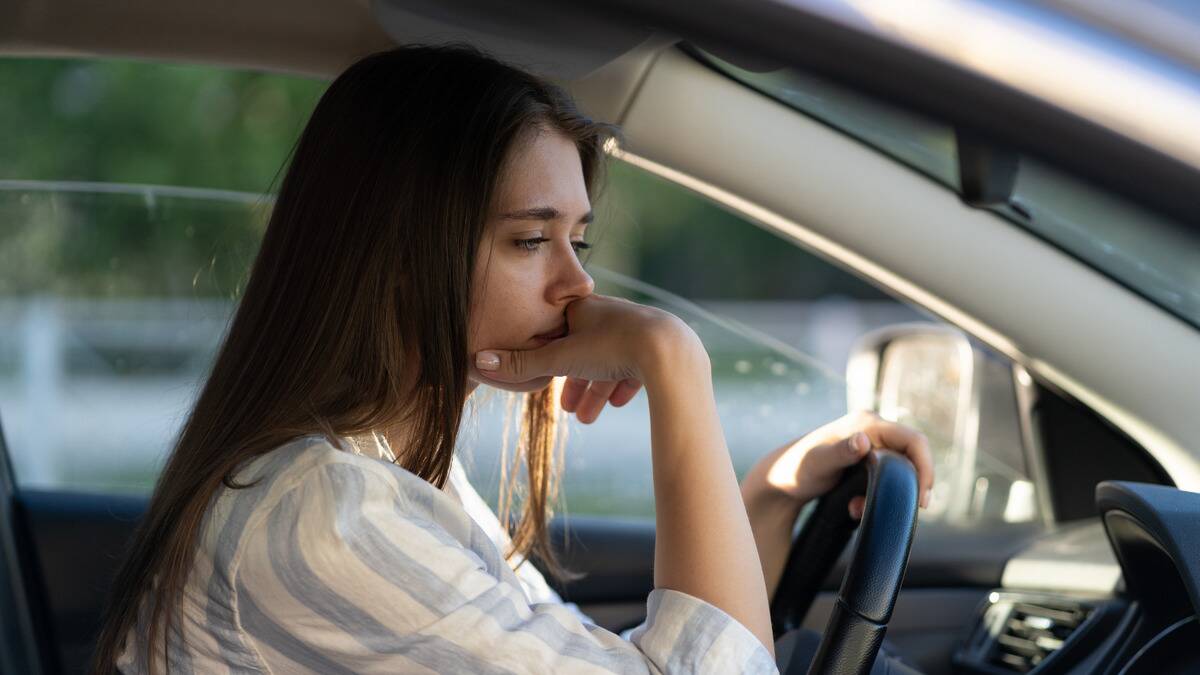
x,y
1156,257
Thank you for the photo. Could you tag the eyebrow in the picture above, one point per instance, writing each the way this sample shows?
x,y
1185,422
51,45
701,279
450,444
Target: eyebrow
x,y
544,213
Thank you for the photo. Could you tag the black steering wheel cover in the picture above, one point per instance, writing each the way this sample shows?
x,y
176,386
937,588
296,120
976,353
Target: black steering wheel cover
x,y
876,571
822,537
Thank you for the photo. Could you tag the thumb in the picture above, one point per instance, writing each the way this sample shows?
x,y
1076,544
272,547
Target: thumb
x,y
515,366
851,449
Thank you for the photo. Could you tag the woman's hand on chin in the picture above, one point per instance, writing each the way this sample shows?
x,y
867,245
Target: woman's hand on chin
x,y
587,398
612,347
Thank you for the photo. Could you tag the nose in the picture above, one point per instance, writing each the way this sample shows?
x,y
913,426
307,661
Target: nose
x,y
570,282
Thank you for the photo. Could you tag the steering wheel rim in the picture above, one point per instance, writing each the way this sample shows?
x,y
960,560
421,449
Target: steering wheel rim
x,y
872,581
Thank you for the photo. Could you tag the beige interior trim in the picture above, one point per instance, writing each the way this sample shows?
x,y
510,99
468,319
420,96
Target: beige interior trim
x,y
308,37
318,38
607,93
1119,354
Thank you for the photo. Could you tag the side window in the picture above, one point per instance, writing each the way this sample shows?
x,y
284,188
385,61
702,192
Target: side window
x,y
131,206
780,325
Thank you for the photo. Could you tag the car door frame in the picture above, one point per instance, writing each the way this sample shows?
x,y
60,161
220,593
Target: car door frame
x,y
19,652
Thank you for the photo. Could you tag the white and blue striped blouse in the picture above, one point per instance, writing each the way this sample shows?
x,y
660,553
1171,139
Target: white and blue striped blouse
x,y
339,561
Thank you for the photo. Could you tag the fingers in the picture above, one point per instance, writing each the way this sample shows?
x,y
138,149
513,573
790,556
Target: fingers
x,y
879,433
517,366
845,453
587,399
572,392
625,391
857,506
593,400
912,443
849,451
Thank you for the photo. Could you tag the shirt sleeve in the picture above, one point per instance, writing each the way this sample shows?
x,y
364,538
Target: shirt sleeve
x,y
349,572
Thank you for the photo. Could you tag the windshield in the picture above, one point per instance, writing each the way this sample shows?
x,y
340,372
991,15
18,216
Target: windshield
x,y
1156,257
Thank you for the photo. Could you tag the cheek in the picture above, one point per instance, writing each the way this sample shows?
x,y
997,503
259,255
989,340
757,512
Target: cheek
x,y
502,306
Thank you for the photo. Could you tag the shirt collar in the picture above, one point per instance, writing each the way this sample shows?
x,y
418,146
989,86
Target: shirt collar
x,y
371,444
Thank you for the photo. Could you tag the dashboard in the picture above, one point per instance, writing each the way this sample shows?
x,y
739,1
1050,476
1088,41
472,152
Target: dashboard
x,y
1119,594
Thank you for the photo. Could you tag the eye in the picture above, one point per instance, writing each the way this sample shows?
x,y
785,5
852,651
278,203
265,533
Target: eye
x,y
534,243
530,244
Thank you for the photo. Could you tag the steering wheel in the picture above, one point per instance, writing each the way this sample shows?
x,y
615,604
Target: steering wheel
x,y
872,581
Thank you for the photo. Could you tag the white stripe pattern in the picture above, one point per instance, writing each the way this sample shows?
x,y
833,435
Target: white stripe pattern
x,y
339,561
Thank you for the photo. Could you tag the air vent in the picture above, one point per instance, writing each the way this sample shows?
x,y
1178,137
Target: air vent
x,y
1031,632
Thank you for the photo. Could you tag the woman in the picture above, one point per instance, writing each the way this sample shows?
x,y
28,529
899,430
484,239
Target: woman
x,y
312,516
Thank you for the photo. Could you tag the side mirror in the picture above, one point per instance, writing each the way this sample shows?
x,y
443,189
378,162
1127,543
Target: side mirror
x,y
964,399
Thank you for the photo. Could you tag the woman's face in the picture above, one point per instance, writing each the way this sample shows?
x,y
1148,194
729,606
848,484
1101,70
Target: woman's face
x,y
528,268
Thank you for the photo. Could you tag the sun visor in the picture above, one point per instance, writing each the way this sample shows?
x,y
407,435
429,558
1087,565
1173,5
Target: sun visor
x,y
564,44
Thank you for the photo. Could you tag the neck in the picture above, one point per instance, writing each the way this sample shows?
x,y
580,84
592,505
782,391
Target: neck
x,y
400,434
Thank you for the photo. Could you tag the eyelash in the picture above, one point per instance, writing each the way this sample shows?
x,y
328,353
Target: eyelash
x,y
533,243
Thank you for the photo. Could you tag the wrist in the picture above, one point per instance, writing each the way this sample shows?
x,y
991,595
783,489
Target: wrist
x,y
766,502
770,488
672,352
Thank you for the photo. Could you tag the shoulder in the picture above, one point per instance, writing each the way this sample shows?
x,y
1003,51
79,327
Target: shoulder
x,y
312,480
359,527
314,464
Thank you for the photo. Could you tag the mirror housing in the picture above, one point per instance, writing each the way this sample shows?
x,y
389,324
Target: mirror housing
x,y
964,399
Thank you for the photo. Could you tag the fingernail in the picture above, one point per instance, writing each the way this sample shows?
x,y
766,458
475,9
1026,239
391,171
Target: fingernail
x,y
925,498
861,442
856,512
487,361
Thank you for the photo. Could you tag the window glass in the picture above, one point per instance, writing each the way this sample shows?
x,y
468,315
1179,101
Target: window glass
x,y
130,210
113,303
122,260
1152,255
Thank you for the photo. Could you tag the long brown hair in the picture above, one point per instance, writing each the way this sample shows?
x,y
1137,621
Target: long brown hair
x,y
355,313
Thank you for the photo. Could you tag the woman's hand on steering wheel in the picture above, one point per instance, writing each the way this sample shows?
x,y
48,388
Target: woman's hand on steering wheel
x,y
812,465
784,480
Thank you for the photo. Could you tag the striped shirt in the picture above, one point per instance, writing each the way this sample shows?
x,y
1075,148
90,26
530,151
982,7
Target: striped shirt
x,y
337,560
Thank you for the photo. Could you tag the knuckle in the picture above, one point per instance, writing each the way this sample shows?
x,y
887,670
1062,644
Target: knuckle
x,y
517,363
866,416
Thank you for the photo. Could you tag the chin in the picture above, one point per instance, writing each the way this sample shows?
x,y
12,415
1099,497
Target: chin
x,y
536,384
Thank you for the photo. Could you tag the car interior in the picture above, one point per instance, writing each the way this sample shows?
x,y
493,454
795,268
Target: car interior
x,y
1093,565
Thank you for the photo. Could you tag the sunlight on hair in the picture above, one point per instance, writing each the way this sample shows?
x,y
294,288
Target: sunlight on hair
x,y
537,460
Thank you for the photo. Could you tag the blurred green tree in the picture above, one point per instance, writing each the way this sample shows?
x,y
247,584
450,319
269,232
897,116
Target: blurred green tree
x,y
131,122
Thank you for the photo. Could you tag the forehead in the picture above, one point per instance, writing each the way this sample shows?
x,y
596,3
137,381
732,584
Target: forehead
x,y
542,169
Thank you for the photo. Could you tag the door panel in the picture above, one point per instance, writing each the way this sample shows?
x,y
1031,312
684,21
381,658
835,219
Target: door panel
x,y
75,542
616,561
18,644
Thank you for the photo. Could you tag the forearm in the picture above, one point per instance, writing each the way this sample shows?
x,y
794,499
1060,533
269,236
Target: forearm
x,y
704,545
772,516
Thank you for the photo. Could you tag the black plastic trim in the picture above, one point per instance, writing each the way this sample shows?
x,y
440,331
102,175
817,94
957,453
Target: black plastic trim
x,y
19,649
